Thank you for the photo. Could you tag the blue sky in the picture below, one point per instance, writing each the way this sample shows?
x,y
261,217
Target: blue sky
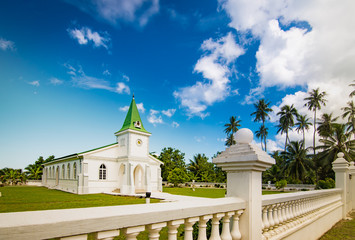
x,y
68,70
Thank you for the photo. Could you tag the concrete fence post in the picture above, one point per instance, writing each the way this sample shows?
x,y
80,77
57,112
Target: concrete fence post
x,y
352,185
341,169
244,162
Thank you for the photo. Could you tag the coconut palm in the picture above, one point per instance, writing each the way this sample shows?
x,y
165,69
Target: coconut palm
x,y
349,112
230,129
201,169
353,92
230,140
314,102
287,121
34,171
303,124
262,134
297,163
261,114
338,141
325,125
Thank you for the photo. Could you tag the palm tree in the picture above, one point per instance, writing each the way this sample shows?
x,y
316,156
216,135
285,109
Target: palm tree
x,y
353,92
297,164
230,129
303,124
230,140
325,125
287,121
261,114
338,141
262,134
349,112
314,102
201,169
34,171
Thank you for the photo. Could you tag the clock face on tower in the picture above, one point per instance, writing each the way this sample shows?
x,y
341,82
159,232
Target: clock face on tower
x,y
139,142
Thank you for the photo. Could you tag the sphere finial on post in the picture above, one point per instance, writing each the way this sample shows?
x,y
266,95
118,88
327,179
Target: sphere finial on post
x,y
243,135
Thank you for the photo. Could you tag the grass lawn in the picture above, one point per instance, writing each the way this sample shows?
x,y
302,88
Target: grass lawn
x,y
343,230
27,198
204,192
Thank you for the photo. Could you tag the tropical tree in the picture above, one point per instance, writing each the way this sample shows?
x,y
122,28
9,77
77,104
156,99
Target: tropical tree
x,y
34,171
172,158
262,134
303,124
353,92
230,140
325,125
230,129
287,121
297,163
201,169
349,113
177,175
261,114
338,141
314,102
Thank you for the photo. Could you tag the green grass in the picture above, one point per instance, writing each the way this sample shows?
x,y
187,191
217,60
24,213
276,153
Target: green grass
x,y
26,198
204,192
343,230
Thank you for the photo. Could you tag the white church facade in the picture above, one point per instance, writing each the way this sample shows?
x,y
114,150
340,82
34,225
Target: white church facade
x,y
125,166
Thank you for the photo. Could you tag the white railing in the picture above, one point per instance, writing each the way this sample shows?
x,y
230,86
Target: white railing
x,y
283,214
130,220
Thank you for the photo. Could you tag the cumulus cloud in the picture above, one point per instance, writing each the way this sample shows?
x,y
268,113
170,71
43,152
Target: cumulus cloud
x,y
169,112
34,83
81,79
6,45
215,65
112,11
85,36
55,81
140,108
175,124
155,117
302,43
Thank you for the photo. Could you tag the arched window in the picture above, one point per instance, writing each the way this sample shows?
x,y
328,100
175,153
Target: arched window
x,y
68,171
102,172
74,171
63,172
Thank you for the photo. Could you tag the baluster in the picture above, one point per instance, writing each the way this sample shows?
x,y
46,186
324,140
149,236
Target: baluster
x,y
172,228
276,217
236,235
265,221
215,226
107,235
132,232
271,220
202,225
154,230
226,234
189,222
288,215
283,216
77,237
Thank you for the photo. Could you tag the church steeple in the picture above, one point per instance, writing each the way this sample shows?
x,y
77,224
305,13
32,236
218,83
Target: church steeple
x,y
133,120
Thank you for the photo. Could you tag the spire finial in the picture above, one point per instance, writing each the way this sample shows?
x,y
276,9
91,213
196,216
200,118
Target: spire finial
x,y
133,96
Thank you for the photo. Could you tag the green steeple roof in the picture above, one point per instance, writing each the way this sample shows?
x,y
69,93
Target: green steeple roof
x,y
133,120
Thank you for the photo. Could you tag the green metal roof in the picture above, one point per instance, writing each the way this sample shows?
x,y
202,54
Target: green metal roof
x,y
131,118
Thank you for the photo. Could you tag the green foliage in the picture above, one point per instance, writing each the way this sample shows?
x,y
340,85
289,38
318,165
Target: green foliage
x,y
281,184
178,175
172,158
261,114
201,169
326,184
230,129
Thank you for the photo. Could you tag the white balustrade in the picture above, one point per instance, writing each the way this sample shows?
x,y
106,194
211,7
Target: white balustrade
x,y
282,212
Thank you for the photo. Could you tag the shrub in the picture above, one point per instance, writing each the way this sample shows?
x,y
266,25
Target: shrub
x,y
281,184
326,184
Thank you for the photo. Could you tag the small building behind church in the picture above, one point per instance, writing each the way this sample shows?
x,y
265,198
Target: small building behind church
x,y
124,166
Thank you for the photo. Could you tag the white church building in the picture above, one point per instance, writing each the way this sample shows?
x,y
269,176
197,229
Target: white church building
x,y
125,166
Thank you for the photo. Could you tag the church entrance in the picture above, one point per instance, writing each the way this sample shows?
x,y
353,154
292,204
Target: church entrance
x,y
138,175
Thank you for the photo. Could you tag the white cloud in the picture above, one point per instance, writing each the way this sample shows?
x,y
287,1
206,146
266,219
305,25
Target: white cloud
x,y
80,79
302,43
6,45
113,11
122,88
199,139
106,73
34,83
154,117
169,112
215,67
85,35
140,108
125,77
55,81
175,124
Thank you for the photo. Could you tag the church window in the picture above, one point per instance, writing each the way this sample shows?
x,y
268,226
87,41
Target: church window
x,y
102,172
68,171
74,170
